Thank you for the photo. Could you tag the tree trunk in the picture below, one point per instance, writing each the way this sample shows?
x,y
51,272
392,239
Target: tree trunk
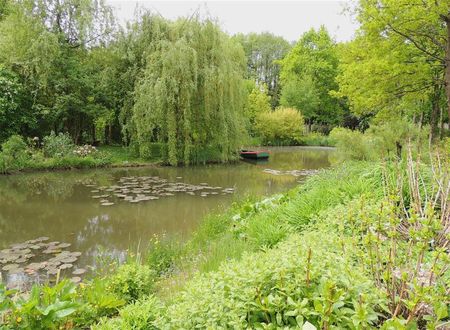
x,y
93,135
434,119
447,65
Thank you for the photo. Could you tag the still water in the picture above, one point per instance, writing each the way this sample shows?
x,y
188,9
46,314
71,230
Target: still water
x,y
67,206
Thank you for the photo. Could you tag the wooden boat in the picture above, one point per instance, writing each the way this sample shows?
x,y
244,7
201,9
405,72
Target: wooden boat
x,y
254,154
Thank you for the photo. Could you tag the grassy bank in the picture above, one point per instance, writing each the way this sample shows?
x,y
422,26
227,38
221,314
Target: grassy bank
x,y
349,249
105,156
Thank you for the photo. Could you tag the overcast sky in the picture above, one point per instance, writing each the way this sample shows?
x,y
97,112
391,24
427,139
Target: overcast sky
x,y
285,18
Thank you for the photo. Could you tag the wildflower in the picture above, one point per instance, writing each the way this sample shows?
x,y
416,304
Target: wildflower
x,y
18,319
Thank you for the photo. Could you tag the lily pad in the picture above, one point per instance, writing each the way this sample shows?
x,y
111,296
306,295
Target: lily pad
x,y
69,260
10,266
35,266
76,279
79,271
52,271
21,260
51,251
63,245
15,271
65,266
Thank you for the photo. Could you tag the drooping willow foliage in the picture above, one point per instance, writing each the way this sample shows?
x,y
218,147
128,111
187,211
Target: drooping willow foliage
x,y
190,96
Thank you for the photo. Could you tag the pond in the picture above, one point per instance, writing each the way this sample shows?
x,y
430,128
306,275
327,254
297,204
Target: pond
x,y
52,219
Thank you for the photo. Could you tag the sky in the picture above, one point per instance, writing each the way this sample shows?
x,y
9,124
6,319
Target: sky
x,y
288,19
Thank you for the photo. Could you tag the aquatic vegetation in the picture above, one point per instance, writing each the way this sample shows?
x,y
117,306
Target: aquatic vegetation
x,y
295,173
35,259
135,189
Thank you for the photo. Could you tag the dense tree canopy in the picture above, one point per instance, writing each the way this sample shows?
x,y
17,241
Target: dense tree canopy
x,y
263,51
308,75
399,60
190,96
48,45
188,90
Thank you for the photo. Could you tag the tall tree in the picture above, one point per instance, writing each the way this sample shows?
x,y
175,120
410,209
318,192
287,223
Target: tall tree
x,y
47,43
263,51
422,26
308,75
190,96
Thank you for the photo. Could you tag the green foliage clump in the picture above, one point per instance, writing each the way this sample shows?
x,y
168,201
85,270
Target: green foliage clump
x,y
283,126
258,102
132,281
161,255
316,139
151,150
352,144
190,97
141,314
301,282
384,140
308,75
14,154
57,145
45,308
13,117
98,300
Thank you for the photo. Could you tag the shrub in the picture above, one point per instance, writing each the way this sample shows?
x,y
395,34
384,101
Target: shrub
x,y
98,302
315,139
15,147
57,146
386,140
161,254
14,154
352,144
132,281
302,282
282,126
140,315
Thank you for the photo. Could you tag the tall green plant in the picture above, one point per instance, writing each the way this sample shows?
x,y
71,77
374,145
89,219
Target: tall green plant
x,y
190,95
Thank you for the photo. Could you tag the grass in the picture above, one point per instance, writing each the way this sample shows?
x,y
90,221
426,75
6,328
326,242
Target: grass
x,y
124,156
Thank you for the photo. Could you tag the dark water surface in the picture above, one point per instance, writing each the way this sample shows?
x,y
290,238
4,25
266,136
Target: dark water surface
x,y
60,205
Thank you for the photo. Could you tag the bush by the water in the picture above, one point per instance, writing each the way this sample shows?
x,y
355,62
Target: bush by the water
x,y
283,126
56,151
14,154
387,140
57,145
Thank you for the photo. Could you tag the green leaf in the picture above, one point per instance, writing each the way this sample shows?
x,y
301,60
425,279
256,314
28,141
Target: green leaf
x,y
308,326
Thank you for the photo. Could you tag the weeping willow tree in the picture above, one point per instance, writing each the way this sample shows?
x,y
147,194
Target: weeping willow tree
x,y
190,97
